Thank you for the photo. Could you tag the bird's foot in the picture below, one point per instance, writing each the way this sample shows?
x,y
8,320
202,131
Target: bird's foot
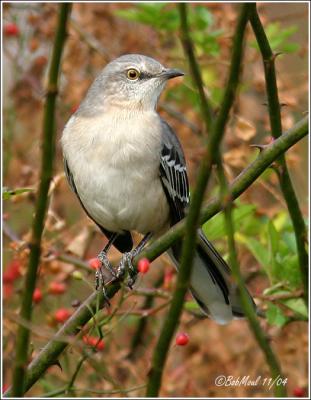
x,y
100,274
126,266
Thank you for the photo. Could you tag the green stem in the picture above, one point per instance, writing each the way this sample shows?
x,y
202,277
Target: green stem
x,y
276,130
206,108
22,338
193,217
275,369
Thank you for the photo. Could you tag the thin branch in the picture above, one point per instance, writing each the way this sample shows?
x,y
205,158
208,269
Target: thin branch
x,y
272,361
206,108
281,296
193,217
85,312
22,337
90,40
276,130
138,336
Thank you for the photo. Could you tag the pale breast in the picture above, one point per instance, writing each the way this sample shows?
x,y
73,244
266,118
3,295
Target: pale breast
x,y
115,166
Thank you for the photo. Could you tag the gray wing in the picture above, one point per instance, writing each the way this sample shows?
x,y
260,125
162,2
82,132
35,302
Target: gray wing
x,y
173,174
123,242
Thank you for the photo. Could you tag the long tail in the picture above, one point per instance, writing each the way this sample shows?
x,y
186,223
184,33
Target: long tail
x,y
211,282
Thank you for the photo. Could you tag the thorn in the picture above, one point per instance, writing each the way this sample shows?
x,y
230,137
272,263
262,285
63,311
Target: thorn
x,y
275,55
57,363
261,147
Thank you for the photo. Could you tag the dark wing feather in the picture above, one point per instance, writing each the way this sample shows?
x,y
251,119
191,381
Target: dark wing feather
x,y
123,242
173,174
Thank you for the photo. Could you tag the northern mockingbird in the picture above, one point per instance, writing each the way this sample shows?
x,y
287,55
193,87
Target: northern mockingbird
x,y
128,170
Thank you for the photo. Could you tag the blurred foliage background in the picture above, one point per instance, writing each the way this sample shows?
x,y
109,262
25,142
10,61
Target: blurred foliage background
x,y
264,234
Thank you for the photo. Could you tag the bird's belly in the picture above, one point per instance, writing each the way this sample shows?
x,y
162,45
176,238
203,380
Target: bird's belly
x,y
119,199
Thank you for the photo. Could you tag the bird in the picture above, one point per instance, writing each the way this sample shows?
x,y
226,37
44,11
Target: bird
x,y
127,168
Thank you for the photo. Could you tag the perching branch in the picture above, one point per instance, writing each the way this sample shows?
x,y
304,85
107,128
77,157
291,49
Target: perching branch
x,y
50,353
22,337
276,130
193,217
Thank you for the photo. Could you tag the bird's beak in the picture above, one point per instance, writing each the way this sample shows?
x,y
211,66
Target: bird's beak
x,y
171,73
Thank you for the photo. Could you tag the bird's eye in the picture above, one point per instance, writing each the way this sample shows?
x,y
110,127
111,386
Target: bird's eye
x,y
133,74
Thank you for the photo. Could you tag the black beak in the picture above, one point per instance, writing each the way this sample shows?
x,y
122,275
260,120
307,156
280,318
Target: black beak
x,y
171,73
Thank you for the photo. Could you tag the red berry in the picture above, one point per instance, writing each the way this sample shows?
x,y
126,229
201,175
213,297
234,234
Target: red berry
x,y
57,287
94,263
62,314
11,30
94,341
299,392
143,265
37,295
12,272
182,339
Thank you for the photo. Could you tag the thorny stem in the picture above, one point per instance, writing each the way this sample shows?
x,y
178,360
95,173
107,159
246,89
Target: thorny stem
x,y
50,353
276,129
193,217
22,337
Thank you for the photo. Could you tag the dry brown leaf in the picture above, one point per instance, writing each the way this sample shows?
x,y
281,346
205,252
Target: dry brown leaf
x,y
244,129
77,245
236,157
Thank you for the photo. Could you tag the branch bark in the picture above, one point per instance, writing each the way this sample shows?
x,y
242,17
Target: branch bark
x,y
276,129
22,337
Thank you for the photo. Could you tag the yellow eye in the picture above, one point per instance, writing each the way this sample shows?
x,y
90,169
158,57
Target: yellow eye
x,y
133,74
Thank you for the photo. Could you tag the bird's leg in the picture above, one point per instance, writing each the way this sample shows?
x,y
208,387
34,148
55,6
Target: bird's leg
x,y
103,258
127,258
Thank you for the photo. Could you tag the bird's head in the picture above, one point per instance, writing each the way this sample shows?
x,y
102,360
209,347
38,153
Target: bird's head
x,y
132,81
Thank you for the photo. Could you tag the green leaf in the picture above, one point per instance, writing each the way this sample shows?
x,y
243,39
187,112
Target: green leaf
x,y
279,38
298,306
275,315
192,307
290,241
215,227
273,242
256,248
8,193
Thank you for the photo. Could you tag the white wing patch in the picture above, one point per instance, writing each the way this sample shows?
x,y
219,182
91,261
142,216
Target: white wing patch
x,y
175,180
